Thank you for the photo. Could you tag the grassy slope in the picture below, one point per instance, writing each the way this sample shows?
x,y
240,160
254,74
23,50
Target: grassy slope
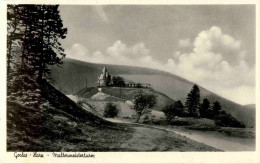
x,y
129,94
119,96
61,125
71,77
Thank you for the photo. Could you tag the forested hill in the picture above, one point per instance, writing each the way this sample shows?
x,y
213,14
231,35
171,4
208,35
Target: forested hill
x,y
73,74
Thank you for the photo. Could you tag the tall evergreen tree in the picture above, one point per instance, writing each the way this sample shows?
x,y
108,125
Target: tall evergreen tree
x,y
39,28
193,101
216,108
15,43
33,43
205,108
52,31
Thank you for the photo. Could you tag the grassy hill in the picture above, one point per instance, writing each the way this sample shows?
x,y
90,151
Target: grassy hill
x,y
129,94
120,97
61,125
72,76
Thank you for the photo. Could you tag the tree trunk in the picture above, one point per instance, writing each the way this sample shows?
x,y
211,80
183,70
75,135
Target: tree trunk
x,y
10,41
23,48
41,57
138,118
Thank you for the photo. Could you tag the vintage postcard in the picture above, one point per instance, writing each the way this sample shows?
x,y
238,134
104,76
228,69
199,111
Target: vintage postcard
x,y
129,82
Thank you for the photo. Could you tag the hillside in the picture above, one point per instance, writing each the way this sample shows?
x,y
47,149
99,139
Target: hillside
x,y
178,90
60,125
129,94
123,98
72,75
251,106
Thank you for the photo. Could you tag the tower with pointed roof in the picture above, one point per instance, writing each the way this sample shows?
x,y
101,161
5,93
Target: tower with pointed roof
x,y
105,78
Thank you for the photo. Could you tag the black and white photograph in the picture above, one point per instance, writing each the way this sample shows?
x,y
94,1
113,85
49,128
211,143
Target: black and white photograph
x,y
130,78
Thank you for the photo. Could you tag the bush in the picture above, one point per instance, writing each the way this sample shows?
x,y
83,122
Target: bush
x,y
111,110
227,120
80,103
172,110
118,81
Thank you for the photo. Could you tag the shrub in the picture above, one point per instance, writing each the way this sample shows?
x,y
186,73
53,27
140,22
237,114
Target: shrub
x,y
80,103
172,110
111,110
227,120
118,81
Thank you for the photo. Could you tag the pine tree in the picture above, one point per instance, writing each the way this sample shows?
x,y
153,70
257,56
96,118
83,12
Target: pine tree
x,y
216,108
52,31
205,108
33,43
193,101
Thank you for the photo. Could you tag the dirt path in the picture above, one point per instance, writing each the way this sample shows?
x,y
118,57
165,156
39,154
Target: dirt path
x,y
151,139
187,140
148,138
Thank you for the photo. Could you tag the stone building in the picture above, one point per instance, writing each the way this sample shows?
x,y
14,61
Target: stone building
x,y
105,79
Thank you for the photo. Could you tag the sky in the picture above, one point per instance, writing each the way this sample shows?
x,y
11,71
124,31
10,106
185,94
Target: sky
x,y
211,45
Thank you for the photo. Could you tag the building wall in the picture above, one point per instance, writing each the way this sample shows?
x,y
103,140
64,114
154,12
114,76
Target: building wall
x,y
102,83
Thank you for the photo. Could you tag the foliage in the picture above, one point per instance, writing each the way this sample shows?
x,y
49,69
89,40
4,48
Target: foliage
x,y
216,108
118,81
33,43
205,108
80,103
220,116
111,110
143,103
227,120
138,85
193,101
172,110
38,29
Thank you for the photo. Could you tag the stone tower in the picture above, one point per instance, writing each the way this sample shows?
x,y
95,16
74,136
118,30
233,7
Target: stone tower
x,y
104,79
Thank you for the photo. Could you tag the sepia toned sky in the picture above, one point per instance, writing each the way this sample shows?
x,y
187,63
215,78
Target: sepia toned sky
x,y
212,45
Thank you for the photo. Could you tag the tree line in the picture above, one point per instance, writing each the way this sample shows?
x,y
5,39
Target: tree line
x,y
144,102
193,108
33,42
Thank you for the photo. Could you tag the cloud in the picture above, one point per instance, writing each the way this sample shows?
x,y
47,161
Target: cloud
x,y
118,53
184,43
78,52
213,40
216,62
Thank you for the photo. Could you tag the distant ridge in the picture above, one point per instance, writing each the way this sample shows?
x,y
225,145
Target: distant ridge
x,y
72,75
